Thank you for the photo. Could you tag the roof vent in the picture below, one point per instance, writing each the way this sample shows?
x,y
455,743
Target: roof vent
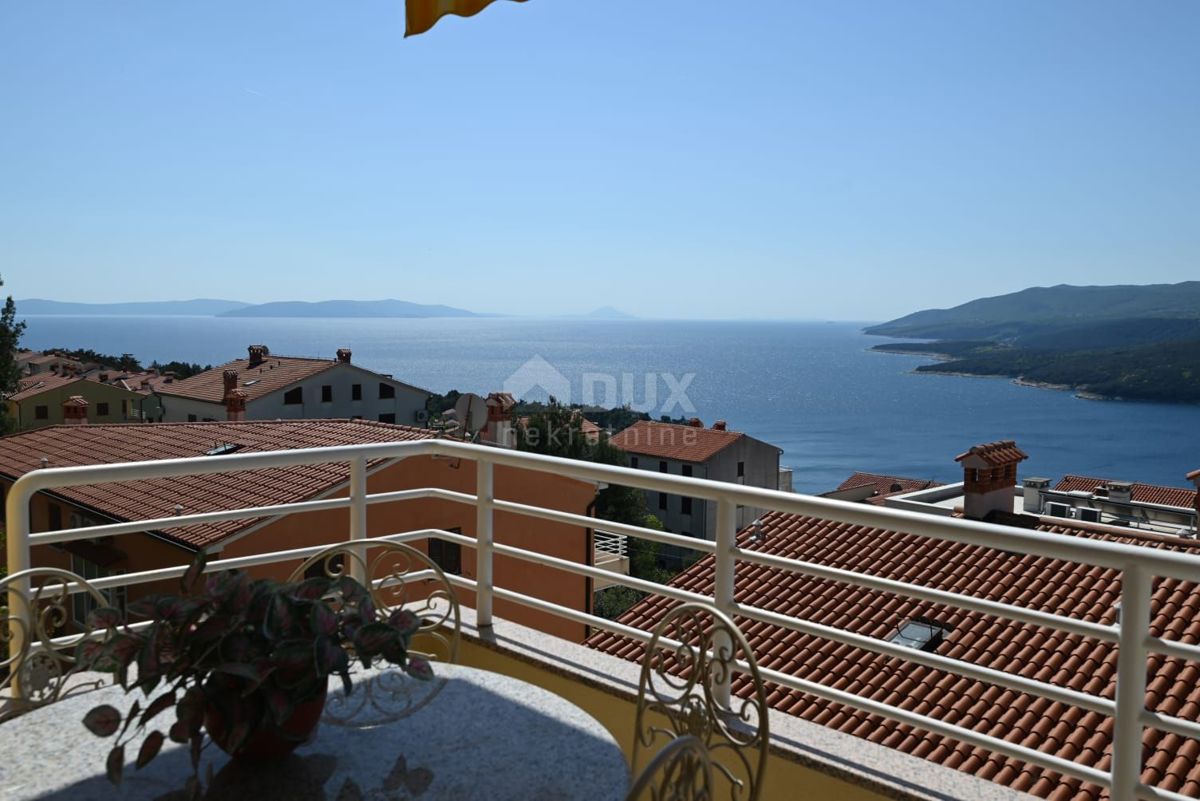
x,y
696,422
719,425
920,633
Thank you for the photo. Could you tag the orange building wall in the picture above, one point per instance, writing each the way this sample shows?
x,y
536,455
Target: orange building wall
x,y
144,552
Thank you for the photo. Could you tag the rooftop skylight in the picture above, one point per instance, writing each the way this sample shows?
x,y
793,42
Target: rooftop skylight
x,y
920,633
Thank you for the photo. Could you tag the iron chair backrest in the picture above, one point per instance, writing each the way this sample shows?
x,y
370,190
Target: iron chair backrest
x,y
36,610
398,575
692,660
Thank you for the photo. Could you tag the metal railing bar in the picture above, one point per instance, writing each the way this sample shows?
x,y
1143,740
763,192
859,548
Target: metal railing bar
x,y
571,519
969,736
181,521
418,494
1179,650
1145,792
1022,614
1157,720
932,660
600,573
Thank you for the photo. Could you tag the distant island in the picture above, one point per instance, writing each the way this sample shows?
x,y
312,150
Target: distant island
x,y
1120,342
348,308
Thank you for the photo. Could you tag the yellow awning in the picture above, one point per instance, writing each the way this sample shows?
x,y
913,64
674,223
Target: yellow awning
x,y
421,15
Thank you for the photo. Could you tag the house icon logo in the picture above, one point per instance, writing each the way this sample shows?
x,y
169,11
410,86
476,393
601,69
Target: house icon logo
x,y
537,373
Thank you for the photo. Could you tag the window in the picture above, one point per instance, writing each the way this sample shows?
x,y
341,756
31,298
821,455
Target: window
x,y
326,393
293,397
386,391
81,602
687,470
662,467
102,410
741,469
633,462
356,392
41,412
389,417
191,418
55,517
447,555
685,506
662,500
920,633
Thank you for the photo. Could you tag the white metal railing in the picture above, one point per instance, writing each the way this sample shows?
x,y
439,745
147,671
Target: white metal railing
x,y
1137,565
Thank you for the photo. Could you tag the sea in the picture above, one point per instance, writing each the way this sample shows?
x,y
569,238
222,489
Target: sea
x,y
814,389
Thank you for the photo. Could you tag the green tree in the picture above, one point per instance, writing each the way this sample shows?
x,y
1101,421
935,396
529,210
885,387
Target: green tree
x,y
10,372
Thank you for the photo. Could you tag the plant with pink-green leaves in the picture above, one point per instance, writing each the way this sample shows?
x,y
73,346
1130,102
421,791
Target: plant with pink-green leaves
x,y
253,650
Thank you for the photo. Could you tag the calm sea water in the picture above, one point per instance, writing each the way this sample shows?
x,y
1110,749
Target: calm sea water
x,y
813,389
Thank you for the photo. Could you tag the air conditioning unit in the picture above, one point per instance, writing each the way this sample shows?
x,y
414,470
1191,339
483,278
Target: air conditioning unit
x,y
422,416
1058,509
1088,514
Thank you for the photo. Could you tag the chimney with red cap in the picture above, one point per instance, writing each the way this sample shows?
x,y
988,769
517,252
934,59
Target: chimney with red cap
x,y
230,377
989,477
258,354
75,411
696,422
720,425
1194,477
235,406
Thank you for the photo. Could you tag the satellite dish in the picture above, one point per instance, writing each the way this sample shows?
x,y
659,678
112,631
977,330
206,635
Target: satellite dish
x,y
471,412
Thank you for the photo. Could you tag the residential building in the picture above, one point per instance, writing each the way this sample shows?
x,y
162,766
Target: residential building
x,y
61,446
971,638
875,487
293,388
41,398
715,453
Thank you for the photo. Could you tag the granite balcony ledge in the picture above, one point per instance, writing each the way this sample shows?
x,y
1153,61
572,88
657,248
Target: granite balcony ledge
x,y
827,764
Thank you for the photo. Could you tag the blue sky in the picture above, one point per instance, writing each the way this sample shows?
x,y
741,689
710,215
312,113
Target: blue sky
x,y
677,158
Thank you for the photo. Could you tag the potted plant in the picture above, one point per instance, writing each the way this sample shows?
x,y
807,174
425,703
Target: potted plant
x,y
246,661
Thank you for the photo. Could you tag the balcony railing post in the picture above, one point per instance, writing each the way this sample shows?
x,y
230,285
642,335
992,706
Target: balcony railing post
x,y
1136,589
485,496
17,533
723,584
358,516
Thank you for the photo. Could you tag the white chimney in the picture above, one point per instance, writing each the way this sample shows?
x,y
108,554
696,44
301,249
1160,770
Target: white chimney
x,y
1035,494
1120,491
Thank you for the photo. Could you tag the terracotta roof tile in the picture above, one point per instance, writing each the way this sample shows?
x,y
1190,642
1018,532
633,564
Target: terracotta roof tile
x,y
1061,587
997,453
674,441
1142,493
42,382
274,373
65,446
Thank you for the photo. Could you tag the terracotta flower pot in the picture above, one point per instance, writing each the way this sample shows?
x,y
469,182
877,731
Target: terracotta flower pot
x,y
269,742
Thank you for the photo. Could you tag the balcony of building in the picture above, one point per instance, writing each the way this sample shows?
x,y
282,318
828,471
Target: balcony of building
x,y
808,758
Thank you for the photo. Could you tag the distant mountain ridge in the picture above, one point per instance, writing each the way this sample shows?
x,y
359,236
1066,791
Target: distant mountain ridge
x,y
1048,308
1132,342
348,308
200,307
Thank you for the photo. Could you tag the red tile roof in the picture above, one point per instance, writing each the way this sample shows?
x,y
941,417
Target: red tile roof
x,y
274,373
42,382
997,453
886,485
139,500
674,441
1142,493
1068,660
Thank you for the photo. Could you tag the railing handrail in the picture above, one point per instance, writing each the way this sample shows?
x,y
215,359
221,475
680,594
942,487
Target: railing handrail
x,y
1137,564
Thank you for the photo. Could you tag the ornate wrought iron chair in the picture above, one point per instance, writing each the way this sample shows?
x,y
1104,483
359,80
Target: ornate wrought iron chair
x,y
681,771
36,674
693,651
398,575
